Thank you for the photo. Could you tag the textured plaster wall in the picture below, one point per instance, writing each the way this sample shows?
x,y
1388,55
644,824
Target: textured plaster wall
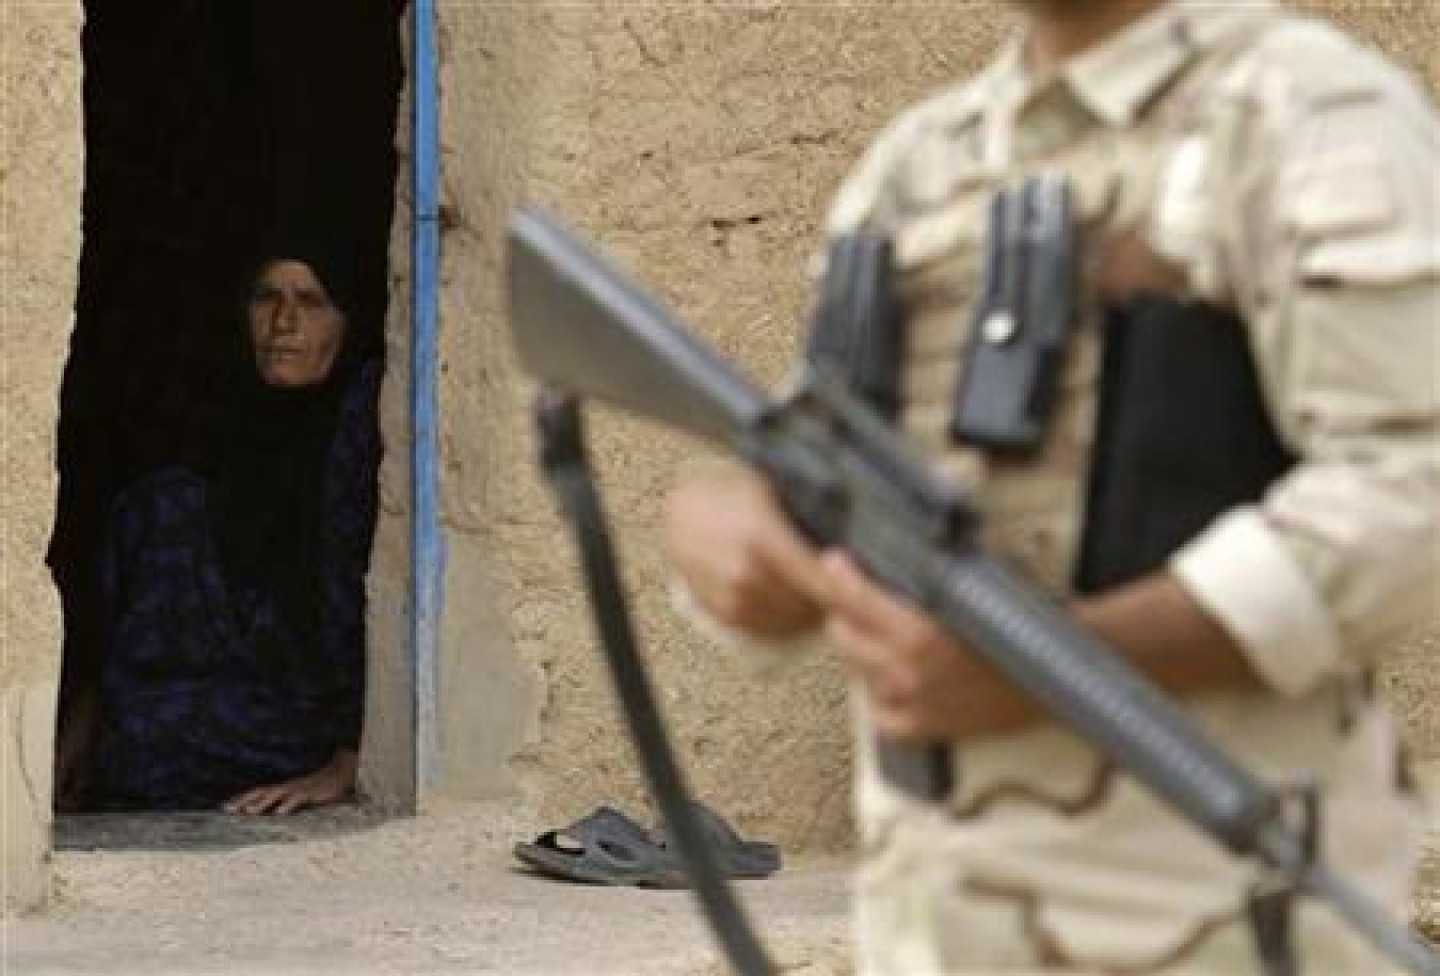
x,y
40,176
699,141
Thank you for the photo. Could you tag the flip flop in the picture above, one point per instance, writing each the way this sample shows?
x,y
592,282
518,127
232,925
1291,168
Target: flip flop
x,y
739,858
605,847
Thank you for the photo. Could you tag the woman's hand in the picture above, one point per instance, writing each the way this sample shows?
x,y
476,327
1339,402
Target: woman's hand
x,y
331,783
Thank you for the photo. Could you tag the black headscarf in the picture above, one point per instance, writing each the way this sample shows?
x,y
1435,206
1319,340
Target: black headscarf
x,y
268,457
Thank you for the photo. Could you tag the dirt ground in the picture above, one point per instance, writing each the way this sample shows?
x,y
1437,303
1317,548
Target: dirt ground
x,y
348,892
348,895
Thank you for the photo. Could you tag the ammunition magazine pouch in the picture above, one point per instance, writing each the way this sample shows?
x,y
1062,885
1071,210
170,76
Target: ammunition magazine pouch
x,y
1012,363
856,329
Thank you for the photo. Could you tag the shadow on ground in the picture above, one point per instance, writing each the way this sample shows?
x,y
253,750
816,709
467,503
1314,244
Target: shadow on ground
x,y
205,830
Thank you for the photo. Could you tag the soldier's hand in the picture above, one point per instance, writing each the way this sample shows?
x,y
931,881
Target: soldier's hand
x,y
922,686
745,564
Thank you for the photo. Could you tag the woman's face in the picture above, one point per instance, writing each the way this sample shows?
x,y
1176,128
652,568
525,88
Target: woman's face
x,y
294,327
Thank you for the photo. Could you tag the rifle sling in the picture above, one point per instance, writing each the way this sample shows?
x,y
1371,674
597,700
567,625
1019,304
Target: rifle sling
x,y
565,462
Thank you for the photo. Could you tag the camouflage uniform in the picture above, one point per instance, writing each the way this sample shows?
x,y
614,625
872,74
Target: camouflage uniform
x,y
1289,174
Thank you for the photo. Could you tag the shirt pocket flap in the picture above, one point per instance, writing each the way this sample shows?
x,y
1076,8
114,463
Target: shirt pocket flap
x,y
1339,194
1385,259
1346,214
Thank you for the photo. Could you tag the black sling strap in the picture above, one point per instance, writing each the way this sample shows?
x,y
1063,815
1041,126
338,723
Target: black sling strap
x,y
565,463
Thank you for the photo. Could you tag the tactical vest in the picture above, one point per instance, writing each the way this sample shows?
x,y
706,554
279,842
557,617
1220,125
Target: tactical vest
x,y
1157,422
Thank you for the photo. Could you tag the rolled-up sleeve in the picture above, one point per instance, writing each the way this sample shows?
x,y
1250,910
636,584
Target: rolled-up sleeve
x,y
1336,262
1243,574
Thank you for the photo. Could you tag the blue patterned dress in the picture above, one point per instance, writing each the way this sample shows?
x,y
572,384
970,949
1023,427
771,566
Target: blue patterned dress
x,y
191,713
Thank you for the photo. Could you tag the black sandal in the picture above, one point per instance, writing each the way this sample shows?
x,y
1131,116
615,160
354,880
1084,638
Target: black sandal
x,y
739,858
605,847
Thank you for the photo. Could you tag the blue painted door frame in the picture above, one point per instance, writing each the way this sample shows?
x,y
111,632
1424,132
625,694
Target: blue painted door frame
x,y
426,544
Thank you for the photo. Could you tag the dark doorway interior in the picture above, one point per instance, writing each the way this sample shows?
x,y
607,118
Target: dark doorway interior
x,y
206,124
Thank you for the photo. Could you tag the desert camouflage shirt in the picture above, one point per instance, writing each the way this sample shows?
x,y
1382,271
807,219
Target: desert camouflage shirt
x,y
1285,173
1288,174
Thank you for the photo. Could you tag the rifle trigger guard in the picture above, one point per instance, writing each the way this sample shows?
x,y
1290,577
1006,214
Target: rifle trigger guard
x,y
1271,904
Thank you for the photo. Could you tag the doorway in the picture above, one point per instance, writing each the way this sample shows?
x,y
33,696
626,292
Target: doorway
x,y
211,129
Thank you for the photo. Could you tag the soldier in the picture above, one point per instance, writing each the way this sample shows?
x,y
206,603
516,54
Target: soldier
x,y
1233,158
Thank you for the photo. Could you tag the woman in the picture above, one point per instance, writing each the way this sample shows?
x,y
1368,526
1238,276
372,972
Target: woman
x,y
233,672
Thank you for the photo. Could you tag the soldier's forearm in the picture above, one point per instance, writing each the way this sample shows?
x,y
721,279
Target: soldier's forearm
x,y
1156,625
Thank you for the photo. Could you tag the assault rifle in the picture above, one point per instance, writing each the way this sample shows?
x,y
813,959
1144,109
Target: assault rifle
x,y
584,330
